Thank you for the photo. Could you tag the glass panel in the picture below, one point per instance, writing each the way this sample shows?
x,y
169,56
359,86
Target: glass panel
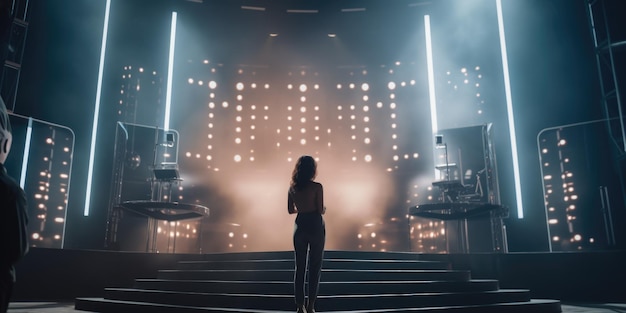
x,y
41,160
579,184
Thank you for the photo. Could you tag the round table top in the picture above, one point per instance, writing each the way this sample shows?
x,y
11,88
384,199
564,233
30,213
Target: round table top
x,y
457,210
169,211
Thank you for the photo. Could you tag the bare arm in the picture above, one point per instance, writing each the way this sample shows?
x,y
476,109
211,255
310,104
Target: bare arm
x,y
319,200
291,208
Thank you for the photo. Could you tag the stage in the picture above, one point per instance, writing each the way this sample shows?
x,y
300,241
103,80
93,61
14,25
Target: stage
x,y
589,277
186,154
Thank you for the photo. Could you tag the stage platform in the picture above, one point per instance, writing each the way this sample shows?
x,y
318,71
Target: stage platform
x,y
48,278
68,307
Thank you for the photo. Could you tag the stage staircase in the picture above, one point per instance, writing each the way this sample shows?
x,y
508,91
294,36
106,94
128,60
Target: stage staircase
x,y
351,282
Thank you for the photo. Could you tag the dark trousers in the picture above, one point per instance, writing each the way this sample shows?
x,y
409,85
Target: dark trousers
x,y
308,241
6,288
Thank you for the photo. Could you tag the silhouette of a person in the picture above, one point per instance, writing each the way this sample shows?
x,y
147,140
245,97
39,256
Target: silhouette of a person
x,y
306,198
13,217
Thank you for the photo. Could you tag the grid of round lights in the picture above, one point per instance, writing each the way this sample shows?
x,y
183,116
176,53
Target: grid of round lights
x,y
465,83
299,118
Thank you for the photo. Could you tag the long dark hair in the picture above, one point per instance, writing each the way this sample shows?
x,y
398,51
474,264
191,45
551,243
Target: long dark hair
x,y
304,172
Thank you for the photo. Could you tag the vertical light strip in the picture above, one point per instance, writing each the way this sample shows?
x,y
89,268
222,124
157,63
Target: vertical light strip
x,y
170,73
29,134
431,75
96,113
509,109
431,84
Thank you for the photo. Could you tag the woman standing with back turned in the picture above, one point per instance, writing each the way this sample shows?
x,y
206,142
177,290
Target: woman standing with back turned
x,y
306,198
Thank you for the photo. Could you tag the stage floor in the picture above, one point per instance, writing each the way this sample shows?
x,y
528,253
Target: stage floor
x,y
64,307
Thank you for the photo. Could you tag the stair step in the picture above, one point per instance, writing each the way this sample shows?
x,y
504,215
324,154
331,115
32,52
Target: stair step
x,y
328,254
118,306
325,303
327,275
326,288
352,282
328,264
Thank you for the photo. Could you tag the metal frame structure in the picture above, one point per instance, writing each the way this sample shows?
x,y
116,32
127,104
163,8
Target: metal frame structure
x,y
12,65
607,52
